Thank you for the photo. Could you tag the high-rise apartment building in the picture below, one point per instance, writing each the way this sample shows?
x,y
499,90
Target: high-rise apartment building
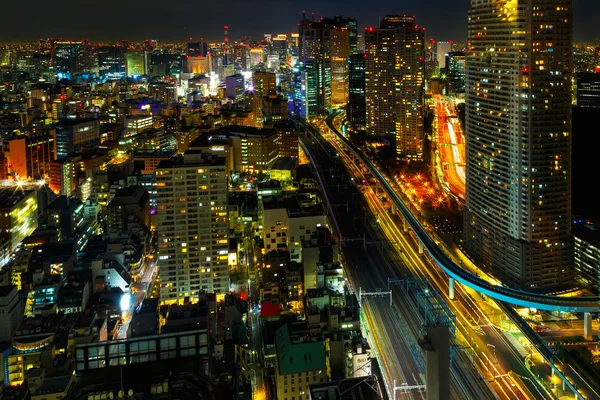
x,y
193,226
356,110
29,155
517,220
394,83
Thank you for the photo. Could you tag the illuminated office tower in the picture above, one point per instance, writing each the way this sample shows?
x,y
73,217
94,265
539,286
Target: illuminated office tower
x,y
314,53
136,63
356,101
111,62
18,214
193,226
69,58
394,83
455,72
345,25
517,220
265,83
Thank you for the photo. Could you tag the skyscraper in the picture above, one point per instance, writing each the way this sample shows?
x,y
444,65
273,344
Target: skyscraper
x,y
340,50
315,55
518,124
455,72
345,25
193,226
443,48
356,101
265,83
136,63
394,83
111,62
69,57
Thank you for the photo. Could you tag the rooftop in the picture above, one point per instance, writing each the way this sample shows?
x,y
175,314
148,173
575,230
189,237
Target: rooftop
x,y
73,122
192,158
238,130
10,197
298,357
588,232
364,388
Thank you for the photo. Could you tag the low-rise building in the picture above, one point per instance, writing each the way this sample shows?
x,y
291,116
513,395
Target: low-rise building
x,y
11,311
300,362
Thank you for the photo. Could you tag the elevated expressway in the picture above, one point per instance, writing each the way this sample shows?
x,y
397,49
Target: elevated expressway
x,y
455,272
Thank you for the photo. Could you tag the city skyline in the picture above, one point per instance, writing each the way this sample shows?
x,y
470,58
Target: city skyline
x,y
181,20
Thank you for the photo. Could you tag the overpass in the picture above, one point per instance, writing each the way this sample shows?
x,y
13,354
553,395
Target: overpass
x,y
455,272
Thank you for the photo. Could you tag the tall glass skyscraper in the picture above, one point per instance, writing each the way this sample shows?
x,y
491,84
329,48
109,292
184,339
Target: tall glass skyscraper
x,y
518,125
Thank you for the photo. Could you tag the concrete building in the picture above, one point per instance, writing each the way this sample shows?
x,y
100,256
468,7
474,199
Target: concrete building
x,y
193,226
130,200
18,214
251,149
517,220
28,156
299,364
235,88
587,253
394,83
75,135
340,51
11,311
286,223
588,89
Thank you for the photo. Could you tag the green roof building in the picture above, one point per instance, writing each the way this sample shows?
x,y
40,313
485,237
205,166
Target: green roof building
x,y
299,364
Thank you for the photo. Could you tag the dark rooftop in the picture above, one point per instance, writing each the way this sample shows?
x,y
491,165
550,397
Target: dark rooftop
x,y
9,197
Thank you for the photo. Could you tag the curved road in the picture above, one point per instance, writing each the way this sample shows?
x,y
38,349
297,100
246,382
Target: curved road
x,y
502,293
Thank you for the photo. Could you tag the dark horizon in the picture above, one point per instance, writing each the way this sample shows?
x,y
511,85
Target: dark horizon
x,y
178,20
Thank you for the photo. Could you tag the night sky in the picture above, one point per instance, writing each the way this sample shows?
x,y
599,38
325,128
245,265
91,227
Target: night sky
x,y
177,20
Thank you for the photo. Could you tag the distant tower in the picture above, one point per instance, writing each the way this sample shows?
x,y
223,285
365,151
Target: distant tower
x,y
226,28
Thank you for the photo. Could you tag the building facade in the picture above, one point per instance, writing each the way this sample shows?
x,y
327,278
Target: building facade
x,y
394,83
455,73
517,219
75,135
357,107
193,226
588,89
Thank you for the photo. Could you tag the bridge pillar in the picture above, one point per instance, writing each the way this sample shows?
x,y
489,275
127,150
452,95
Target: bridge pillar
x,y
451,288
587,325
405,224
564,385
420,247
